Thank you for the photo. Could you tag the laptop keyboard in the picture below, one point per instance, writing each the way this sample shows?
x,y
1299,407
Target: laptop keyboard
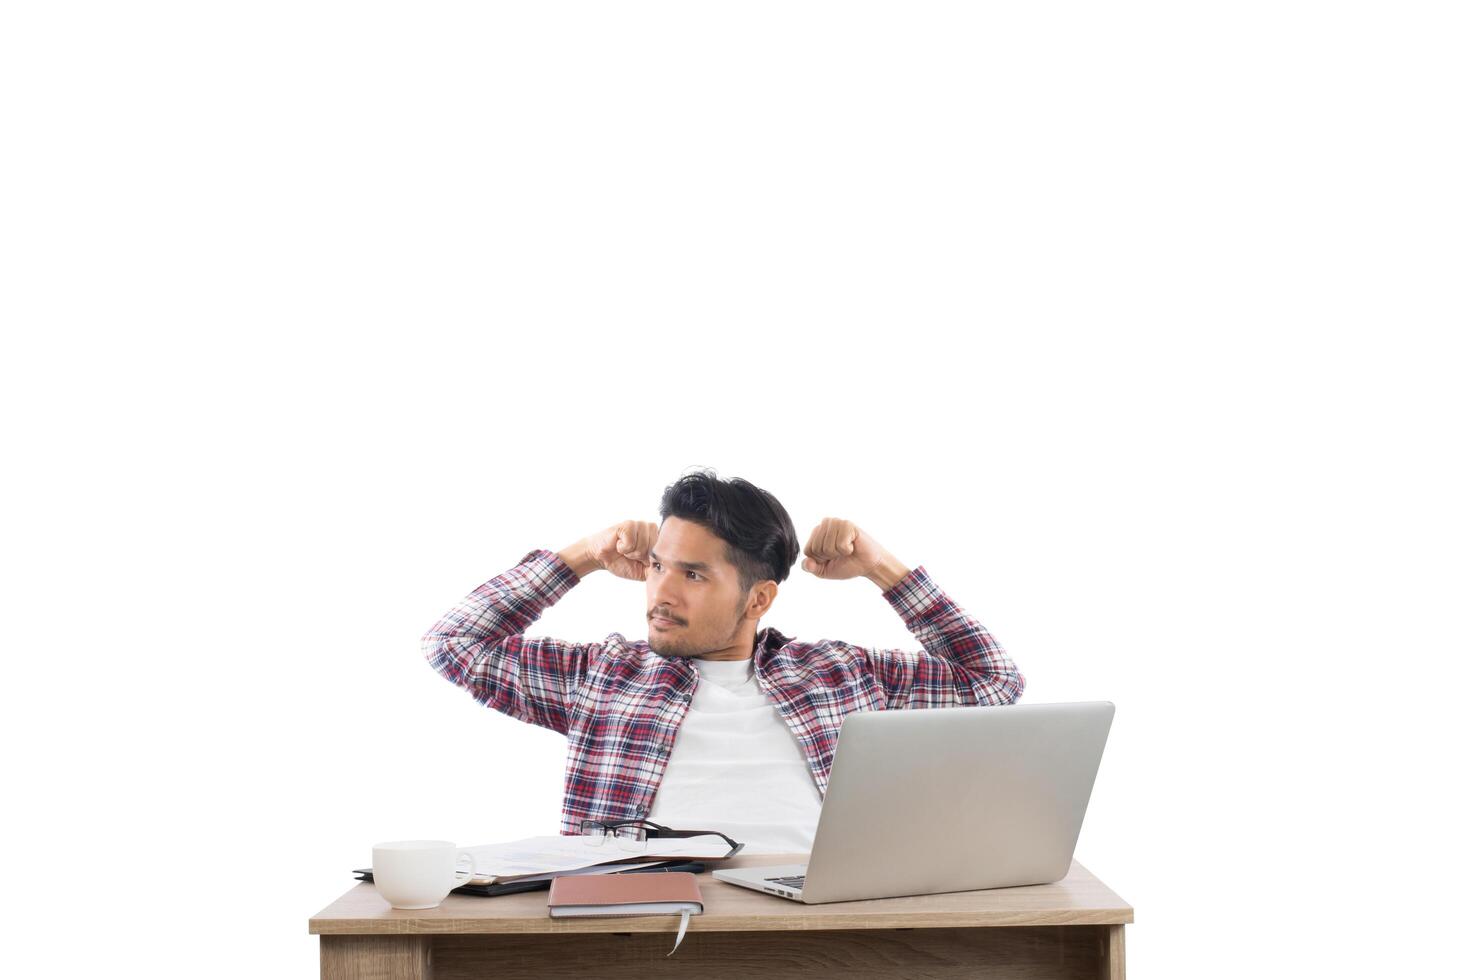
x,y
795,881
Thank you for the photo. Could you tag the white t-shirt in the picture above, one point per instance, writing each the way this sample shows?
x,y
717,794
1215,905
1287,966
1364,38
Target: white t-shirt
x,y
735,766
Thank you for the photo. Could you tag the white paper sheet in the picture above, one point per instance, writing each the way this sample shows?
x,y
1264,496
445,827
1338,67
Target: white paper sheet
x,y
539,856
596,869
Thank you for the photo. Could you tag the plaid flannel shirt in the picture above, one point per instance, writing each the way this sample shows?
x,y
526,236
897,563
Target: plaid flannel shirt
x,y
620,704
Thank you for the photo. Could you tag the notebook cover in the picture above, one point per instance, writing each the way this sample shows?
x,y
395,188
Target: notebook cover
x,y
624,889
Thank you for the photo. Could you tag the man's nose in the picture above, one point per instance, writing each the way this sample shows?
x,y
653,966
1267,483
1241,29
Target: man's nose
x,y
665,595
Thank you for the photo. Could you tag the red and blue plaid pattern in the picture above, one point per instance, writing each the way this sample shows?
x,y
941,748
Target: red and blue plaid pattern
x,y
620,704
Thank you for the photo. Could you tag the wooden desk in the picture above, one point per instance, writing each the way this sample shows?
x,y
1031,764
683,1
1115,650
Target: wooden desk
x,y
1071,928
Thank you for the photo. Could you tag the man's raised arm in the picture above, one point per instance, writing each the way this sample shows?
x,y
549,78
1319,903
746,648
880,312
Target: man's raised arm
x,y
960,663
480,644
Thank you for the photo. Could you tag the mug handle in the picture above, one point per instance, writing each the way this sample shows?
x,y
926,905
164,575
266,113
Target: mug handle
x,y
463,877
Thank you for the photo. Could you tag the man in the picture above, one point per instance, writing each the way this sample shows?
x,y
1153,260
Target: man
x,y
709,724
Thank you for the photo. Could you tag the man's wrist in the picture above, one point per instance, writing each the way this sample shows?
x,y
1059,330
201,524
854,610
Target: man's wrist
x,y
579,559
889,572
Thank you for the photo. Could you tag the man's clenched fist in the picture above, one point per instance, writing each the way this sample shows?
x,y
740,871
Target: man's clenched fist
x,y
840,549
623,548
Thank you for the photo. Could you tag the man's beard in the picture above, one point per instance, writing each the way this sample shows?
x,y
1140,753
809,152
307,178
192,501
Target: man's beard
x,y
680,647
665,647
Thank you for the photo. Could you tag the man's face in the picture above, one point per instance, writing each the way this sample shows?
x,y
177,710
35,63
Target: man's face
x,y
704,602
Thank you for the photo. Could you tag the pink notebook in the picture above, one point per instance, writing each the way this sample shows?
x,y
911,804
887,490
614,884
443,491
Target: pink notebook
x,y
648,893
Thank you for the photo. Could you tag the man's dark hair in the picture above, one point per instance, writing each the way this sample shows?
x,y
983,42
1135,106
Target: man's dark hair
x,y
759,538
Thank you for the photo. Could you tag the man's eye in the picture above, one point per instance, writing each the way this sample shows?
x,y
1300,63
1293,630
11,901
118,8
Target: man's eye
x,y
694,574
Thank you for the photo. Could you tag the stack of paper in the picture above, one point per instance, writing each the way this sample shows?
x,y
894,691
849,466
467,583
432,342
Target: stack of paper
x,y
543,857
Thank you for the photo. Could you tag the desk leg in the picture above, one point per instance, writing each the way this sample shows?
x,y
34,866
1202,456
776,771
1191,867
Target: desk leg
x,y
376,958
1114,953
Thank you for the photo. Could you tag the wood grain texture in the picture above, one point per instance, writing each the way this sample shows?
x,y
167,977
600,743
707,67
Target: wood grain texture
x,y
1077,899
1023,953
376,958
1114,953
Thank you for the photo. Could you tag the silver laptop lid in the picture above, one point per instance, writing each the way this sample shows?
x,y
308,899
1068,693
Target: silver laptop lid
x,y
922,801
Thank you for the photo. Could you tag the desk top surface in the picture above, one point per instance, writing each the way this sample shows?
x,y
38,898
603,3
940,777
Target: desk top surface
x,y
1077,899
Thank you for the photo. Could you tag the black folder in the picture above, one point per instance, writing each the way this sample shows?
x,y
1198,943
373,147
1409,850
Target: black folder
x,y
510,887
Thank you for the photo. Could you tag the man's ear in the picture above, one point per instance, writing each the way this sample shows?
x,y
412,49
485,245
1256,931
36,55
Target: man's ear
x,y
762,596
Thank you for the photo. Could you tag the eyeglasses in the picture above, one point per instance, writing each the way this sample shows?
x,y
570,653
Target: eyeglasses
x,y
631,834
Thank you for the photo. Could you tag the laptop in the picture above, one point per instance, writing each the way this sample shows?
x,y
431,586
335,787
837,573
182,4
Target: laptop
x,y
930,800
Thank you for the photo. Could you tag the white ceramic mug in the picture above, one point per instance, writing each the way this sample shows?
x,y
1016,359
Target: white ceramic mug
x,y
418,874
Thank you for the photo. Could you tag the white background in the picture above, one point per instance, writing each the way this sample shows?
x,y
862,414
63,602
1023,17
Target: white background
x,y
1132,322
